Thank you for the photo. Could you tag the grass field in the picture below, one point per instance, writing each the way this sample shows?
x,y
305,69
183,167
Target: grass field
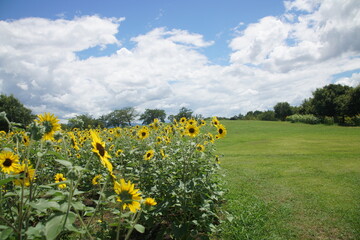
x,y
291,181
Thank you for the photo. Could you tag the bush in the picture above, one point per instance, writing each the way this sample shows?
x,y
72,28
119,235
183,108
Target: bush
x,y
328,120
308,119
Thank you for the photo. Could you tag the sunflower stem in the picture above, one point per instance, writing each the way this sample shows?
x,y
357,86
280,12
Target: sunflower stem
x,y
120,219
133,224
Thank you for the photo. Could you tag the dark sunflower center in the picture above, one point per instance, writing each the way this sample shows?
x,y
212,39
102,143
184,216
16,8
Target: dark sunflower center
x,y
48,126
60,179
125,196
191,130
7,162
221,130
148,155
101,149
143,134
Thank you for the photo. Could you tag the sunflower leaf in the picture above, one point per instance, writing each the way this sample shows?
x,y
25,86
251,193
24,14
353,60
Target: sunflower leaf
x,y
140,228
64,162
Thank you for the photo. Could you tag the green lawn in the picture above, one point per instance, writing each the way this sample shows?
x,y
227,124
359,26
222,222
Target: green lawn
x,y
291,181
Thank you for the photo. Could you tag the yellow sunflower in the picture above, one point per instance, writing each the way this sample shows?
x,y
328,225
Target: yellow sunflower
x,y
191,130
215,121
221,131
128,195
9,162
27,175
143,133
200,148
192,122
96,180
183,120
149,155
150,202
51,124
26,140
99,149
59,177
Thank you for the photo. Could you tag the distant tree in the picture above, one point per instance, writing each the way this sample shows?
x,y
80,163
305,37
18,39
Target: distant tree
x,y
171,118
307,107
184,112
15,112
329,100
354,101
85,121
267,116
122,117
282,110
252,115
150,114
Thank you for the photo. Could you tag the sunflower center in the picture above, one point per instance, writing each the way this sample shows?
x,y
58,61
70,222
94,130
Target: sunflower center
x,y
125,196
143,134
148,155
48,126
221,131
101,149
191,130
60,179
8,162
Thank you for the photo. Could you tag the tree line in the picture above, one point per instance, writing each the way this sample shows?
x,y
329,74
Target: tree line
x,y
335,103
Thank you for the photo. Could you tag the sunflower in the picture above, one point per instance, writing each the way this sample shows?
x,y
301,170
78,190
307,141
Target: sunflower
x,y
74,141
143,133
202,122
51,124
26,140
200,148
96,180
150,202
9,162
128,195
149,155
59,177
99,149
183,120
215,121
27,175
221,131
192,122
191,130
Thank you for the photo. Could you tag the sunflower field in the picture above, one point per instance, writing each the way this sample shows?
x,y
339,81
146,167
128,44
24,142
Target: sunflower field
x,y
159,181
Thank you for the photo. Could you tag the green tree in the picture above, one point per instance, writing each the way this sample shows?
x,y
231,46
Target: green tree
x,y
15,112
150,114
184,112
85,121
330,100
122,117
354,101
282,110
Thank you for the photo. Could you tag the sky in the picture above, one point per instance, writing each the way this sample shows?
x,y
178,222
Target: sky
x,y
217,58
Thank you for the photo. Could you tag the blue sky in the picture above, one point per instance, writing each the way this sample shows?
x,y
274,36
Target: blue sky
x,y
213,19
215,57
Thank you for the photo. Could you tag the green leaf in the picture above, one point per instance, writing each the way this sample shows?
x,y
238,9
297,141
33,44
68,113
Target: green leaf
x,y
54,226
35,232
64,162
6,233
139,228
6,180
78,205
42,205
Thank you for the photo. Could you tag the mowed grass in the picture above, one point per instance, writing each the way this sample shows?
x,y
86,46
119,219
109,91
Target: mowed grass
x,y
291,181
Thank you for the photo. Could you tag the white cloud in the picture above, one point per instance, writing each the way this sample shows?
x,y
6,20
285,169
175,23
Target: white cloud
x,y
352,81
277,59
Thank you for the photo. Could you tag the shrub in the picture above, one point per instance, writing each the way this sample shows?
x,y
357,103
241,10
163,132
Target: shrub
x,y
308,119
329,120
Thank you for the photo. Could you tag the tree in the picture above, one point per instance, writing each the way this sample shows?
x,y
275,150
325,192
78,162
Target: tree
x,y
354,101
150,114
329,100
184,112
85,121
282,110
122,117
15,112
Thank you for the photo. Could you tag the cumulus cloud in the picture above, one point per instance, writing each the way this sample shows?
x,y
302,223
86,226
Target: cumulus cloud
x,y
278,58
